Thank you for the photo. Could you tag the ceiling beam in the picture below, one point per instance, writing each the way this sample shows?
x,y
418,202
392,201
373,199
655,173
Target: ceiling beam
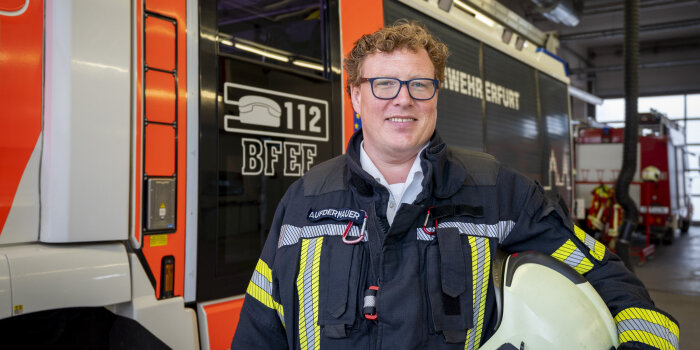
x,y
608,33
619,67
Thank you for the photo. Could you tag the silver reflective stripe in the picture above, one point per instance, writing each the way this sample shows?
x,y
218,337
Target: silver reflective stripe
x,y
259,280
422,236
499,230
290,235
589,242
369,301
481,271
636,324
307,283
575,258
308,305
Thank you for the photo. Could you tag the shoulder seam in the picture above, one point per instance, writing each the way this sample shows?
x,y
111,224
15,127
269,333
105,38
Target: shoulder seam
x,y
482,169
329,176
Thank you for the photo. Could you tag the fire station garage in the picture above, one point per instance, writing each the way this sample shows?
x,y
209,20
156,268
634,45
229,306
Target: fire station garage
x,y
612,62
147,148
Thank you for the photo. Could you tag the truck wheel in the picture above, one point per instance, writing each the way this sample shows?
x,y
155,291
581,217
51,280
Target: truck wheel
x,y
76,328
685,225
667,238
70,328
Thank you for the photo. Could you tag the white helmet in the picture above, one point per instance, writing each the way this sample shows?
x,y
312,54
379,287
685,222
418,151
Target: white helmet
x,y
567,314
651,173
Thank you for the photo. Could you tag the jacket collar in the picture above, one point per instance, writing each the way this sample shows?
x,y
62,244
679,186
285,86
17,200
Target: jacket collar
x,y
442,177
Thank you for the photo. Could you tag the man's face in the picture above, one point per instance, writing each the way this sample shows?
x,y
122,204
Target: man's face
x,y
399,127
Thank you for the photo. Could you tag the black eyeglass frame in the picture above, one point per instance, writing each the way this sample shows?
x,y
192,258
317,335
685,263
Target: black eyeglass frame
x,y
436,84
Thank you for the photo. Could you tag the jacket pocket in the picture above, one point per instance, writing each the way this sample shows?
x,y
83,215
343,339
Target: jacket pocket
x,y
343,268
449,285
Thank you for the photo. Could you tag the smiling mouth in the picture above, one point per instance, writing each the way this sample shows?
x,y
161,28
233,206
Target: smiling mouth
x,y
401,120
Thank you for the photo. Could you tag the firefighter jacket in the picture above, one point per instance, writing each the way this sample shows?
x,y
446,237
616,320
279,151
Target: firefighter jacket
x,y
334,275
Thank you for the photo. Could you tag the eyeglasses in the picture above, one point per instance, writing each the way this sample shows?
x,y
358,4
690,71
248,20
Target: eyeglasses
x,y
388,88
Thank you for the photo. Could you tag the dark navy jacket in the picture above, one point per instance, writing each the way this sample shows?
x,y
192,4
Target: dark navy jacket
x,y
434,290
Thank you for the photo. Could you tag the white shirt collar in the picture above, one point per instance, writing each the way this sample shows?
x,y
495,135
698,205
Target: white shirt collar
x,y
371,169
406,192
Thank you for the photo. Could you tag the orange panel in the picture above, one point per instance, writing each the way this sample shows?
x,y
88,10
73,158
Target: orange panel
x,y
160,150
11,5
176,241
21,52
356,21
222,320
171,8
160,97
160,43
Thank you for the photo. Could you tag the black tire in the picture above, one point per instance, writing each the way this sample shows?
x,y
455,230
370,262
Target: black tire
x,y
667,238
76,329
684,225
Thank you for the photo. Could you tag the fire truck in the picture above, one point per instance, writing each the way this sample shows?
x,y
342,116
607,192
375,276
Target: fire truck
x,y
659,187
145,145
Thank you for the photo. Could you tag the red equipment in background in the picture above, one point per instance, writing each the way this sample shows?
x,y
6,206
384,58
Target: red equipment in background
x,y
664,204
604,211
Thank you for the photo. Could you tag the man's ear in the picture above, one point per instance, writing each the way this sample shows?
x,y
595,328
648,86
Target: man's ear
x,y
356,97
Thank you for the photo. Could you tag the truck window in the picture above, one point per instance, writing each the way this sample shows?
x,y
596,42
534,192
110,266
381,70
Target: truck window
x,y
286,33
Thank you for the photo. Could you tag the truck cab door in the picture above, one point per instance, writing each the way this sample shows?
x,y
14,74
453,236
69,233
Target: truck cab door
x,y
270,109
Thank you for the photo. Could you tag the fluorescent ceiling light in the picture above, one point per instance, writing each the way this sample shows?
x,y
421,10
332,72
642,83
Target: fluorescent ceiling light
x,y
478,15
488,21
261,52
305,64
584,96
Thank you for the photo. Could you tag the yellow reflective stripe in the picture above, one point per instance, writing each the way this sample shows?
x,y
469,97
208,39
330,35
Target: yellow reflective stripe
x,y
266,299
263,269
565,250
649,316
307,288
597,249
580,234
302,293
314,279
584,266
260,288
569,254
646,338
481,270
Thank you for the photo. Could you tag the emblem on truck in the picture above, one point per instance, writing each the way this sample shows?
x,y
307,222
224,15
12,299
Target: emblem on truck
x,y
290,129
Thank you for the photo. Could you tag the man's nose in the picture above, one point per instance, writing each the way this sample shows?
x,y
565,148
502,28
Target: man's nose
x,y
404,97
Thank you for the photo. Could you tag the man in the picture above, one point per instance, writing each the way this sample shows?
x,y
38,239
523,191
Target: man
x,y
390,245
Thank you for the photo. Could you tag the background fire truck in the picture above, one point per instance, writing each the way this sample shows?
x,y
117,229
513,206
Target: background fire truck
x,y
659,189
145,144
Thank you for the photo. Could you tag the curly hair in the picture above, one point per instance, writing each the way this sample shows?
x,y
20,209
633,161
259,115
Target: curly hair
x,y
402,34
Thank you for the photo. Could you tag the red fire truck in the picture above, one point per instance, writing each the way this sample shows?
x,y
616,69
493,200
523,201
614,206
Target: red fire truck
x,y
145,144
659,186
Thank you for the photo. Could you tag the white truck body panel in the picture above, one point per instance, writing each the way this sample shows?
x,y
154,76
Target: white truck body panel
x,y
86,153
168,319
45,277
22,224
192,151
5,288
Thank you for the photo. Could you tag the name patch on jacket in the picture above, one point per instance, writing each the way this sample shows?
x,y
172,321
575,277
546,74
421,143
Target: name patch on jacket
x,y
344,214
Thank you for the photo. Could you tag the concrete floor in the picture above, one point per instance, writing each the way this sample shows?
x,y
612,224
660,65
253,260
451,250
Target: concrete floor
x,y
672,277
